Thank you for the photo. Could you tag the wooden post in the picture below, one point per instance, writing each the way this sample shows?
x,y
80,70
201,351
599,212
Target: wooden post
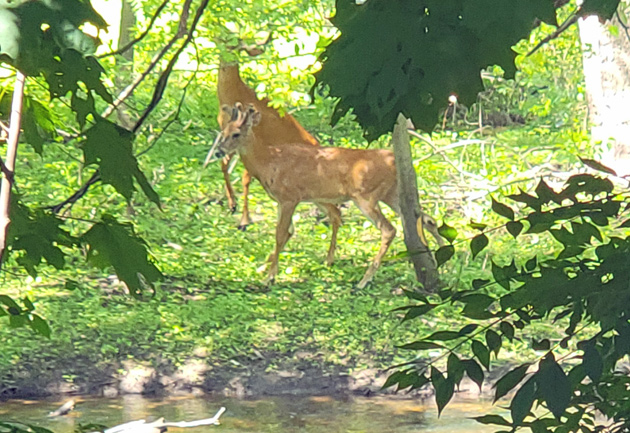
x,y
419,253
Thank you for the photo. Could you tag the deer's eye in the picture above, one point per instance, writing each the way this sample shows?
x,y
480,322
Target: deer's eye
x,y
236,135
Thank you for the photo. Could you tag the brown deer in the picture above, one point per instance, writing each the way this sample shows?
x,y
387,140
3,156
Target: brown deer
x,y
273,129
293,173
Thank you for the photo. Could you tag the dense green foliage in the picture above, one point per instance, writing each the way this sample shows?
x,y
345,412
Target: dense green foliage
x,y
429,51
195,273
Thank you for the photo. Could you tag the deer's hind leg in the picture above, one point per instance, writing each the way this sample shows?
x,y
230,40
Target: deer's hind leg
x,y
373,212
334,215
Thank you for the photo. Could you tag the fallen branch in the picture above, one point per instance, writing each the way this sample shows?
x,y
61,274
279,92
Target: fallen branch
x,y
64,409
160,425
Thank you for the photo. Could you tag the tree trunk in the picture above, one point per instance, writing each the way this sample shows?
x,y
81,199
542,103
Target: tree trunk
x,y
8,165
419,253
606,60
127,24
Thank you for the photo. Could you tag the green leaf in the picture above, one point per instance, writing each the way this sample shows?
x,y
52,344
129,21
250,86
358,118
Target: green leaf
x,y
111,243
417,310
468,329
476,306
474,371
394,378
477,226
596,165
492,419
454,368
507,329
72,285
110,146
443,254
546,193
447,232
18,320
28,304
443,336
493,340
444,389
503,210
500,276
541,345
554,386
478,243
522,402
415,295
529,200
482,353
509,381
479,283
514,228
10,34
421,345
531,264
593,362
40,326
9,302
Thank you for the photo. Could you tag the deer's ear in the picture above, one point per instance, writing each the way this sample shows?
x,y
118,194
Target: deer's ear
x,y
255,118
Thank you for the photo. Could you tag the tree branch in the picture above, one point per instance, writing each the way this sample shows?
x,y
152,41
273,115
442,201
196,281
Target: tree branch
x,y
157,94
163,80
565,25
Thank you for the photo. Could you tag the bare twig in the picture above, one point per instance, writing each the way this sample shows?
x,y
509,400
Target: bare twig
x,y
157,94
8,168
96,176
131,43
565,25
163,80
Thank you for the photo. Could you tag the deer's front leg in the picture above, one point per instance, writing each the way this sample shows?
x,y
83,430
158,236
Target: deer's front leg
x,y
284,230
229,191
245,219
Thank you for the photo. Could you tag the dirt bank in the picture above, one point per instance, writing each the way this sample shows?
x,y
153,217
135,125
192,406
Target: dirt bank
x,y
195,377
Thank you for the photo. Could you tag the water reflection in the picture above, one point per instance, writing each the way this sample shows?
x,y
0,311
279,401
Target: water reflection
x,y
277,415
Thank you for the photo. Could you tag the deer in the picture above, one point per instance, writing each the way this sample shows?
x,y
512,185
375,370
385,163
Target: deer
x,y
293,173
273,129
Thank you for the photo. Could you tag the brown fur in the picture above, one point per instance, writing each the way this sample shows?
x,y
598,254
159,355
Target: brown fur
x,y
295,172
273,129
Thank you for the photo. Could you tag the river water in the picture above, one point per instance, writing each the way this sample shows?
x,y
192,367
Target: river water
x,y
277,415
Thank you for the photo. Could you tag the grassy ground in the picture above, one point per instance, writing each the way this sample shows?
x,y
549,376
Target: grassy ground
x,y
212,301
212,304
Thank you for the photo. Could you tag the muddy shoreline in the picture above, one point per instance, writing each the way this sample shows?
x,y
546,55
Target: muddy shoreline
x,y
197,378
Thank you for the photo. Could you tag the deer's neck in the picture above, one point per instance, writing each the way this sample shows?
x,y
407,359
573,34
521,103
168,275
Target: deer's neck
x,y
255,156
230,86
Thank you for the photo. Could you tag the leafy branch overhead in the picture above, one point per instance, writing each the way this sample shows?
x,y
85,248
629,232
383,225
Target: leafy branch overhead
x,y
408,56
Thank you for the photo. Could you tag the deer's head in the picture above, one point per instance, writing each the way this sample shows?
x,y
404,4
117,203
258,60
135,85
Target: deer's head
x,y
237,130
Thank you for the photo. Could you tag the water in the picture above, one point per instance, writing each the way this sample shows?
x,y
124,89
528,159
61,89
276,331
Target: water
x,y
277,415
